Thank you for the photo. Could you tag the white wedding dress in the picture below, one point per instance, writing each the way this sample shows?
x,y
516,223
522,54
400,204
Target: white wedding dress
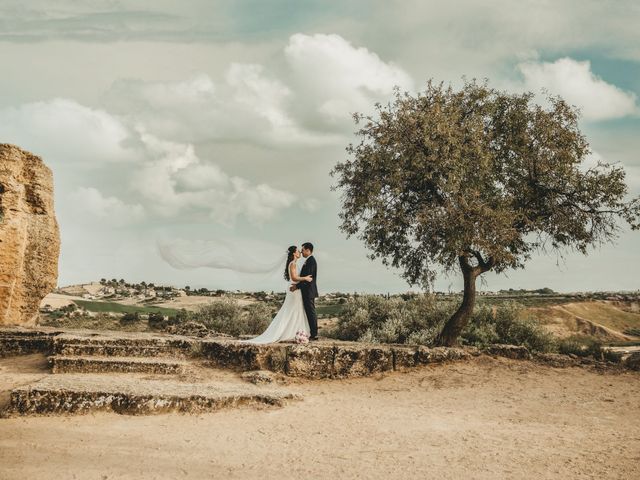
x,y
291,318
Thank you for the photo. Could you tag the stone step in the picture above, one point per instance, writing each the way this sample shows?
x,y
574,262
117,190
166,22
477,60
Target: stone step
x,y
100,364
18,344
119,350
142,345
84,393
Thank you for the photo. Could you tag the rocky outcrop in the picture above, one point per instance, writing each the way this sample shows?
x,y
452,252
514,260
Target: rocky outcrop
x,y
29,237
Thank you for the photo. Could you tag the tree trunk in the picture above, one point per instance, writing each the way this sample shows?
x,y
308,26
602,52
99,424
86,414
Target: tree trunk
x,y
454,326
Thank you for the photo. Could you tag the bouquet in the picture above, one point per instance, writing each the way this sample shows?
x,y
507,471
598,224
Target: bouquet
x,y
301,337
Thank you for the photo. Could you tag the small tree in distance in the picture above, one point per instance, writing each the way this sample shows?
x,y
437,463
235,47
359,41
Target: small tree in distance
x,y
475,179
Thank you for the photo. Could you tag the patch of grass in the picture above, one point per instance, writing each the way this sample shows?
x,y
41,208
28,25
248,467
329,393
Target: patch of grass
x,y
105,307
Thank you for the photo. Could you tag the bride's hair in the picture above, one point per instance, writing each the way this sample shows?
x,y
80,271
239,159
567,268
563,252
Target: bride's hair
x,y
290,251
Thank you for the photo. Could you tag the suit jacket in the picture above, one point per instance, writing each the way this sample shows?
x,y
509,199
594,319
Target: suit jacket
x,y
310,267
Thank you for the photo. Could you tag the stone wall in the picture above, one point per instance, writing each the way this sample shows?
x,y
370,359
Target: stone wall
x,y
29,237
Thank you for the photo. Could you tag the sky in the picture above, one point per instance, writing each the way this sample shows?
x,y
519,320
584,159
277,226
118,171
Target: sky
x,y
209,122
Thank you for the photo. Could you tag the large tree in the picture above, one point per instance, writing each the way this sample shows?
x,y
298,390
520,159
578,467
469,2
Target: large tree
x,y
475,179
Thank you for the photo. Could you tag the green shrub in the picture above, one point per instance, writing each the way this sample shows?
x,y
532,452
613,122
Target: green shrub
x,y
502,324
374,319
181,316
156,320
224,316
258,316
587,346
130,317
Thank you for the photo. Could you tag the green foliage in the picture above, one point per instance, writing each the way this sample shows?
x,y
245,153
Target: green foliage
x,y
586,346
258,316
95,306
181,316
373,319
475,179
227,316
417,321
130,317
157,320
502,324
448,173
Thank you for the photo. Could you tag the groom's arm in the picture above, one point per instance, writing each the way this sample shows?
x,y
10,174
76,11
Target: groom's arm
x,y
313,269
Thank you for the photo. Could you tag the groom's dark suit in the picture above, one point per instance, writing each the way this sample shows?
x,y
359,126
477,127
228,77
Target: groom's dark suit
x,y
309,292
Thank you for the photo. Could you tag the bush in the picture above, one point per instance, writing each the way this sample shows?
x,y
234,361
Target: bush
x,y
258,317
130,317
586,346
224,316
502,324
419,319
157,320
374,319
181,316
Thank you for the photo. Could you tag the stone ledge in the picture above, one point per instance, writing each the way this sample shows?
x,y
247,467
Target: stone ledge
x,y
79,394
71,364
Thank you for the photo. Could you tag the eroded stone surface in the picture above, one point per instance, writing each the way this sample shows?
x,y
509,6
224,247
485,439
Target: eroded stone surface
x,y
245,356
60,394
310,361
519,352
258,377
361,360
92,364
29,237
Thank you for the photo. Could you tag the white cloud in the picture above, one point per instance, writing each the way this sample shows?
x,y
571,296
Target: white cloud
x,y
575,82
164,177
175,180
246,105
341,78
93,204
65,131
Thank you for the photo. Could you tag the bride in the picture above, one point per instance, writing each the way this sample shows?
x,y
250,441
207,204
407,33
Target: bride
x,y
291,317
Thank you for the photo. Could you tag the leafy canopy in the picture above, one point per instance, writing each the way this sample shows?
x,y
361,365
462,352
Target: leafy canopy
x,y
477,174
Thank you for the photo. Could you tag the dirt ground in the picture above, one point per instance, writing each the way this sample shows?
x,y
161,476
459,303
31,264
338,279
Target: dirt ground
x,y
485,419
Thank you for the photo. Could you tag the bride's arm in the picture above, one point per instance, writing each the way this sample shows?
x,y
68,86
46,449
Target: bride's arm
x,y
293,274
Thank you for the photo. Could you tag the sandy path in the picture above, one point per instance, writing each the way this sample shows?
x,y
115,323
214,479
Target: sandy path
x,y
485,419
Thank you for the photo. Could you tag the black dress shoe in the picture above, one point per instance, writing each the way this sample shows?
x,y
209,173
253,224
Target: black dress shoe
x,y
313,339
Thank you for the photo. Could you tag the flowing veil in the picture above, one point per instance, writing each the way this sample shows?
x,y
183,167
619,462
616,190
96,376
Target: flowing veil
x,y
219,254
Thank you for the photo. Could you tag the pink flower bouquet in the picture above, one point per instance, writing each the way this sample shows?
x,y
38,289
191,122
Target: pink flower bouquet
x,y
302,337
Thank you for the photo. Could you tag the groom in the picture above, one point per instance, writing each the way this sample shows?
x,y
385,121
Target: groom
x,y
309,290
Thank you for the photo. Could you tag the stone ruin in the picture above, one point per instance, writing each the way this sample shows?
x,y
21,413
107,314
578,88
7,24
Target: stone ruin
x,y
29,236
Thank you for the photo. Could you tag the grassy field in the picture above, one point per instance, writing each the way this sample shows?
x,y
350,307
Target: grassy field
x,y
103,307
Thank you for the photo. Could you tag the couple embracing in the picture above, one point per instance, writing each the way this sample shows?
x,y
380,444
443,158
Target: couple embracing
x,y
297,317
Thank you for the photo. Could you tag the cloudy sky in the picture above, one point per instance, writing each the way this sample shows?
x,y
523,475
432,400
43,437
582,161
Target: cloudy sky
x,y
218,120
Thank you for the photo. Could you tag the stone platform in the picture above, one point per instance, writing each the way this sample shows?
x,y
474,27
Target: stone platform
x,y
84,393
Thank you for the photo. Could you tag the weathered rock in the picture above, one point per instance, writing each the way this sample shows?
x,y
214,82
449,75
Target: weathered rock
x,y
163,366
244,356
20,342
361,360
192,329
633,361
124,345
29,237
258,377
428,355
519,352
404,358
557,360
77,394
310,361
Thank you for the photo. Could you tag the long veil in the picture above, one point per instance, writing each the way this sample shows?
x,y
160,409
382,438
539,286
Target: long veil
x,y
220,254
